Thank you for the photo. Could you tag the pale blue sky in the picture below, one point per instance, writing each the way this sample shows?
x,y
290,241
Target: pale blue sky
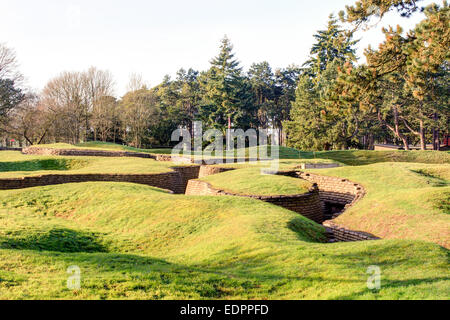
x,y
159,37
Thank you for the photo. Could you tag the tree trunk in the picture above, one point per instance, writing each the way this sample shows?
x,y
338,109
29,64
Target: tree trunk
x,y
423,143
436,140
397,129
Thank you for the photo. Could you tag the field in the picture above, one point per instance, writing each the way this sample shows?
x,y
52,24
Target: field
x,y
137,242
14,164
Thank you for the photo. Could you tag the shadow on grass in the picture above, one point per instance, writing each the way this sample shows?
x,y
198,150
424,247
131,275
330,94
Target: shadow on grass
x,y
45,164
391,284
60,240
121,275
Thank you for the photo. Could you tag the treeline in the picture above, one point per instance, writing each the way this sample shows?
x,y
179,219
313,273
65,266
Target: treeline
x,y
80,106
399,96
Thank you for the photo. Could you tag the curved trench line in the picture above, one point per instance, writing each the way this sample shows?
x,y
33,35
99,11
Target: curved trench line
x,y
325,190
118,154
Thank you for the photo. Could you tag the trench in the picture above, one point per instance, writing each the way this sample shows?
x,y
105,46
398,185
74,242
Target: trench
x,y
328,198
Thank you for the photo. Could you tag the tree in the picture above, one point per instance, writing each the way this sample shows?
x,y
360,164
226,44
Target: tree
x,y
319,120
10,80
10,96
262,80
72,97
105,117
285,86
331,44
30,120
9,67
406,79
363,10
64,96
138,112
226,92
96,84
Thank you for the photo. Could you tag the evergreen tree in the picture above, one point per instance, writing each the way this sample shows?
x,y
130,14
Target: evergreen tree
x,y
363,10
262,80
331,44
226,92
406,79
315,122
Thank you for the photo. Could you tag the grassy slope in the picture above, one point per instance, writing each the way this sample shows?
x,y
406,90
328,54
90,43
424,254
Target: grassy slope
x,y
348,157
403,201
250,181
135,242
364,157
97,145
14,164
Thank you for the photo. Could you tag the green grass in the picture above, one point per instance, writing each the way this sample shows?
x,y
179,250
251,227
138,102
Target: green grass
x,y
105,146
13,164
250,181
193,248
348,157
138,242
364,157
403,201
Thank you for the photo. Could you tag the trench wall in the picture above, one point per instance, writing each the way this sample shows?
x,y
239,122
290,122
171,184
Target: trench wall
x,y
308,204
344,192
175,181
311,205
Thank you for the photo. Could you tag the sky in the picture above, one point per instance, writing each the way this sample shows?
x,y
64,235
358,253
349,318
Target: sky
x,y
155,38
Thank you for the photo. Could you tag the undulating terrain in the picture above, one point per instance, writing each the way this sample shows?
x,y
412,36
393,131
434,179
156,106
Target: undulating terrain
x,y
134,241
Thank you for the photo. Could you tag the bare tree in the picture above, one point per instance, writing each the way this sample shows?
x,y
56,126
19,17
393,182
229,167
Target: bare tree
x,y
64,96
96,84
30,120
72,97
136,82
9,67
105,117
138,111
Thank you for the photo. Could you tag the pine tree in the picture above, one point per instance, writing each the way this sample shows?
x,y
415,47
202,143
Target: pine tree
x,y
331,44
317,124
262,81
404,80
363,10
226,92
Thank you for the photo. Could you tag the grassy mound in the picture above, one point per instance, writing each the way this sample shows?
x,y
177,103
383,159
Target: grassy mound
x,y
348,157
105,146
13,164
137,242
364,157
250,181
403,201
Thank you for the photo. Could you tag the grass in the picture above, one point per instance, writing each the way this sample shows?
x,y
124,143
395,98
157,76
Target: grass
x,y
403,201
13,164
365,157
347,157
193,248
106,146
137,242
250,181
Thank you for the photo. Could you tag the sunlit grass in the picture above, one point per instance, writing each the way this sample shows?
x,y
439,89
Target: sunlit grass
x,y
136,242
14,164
